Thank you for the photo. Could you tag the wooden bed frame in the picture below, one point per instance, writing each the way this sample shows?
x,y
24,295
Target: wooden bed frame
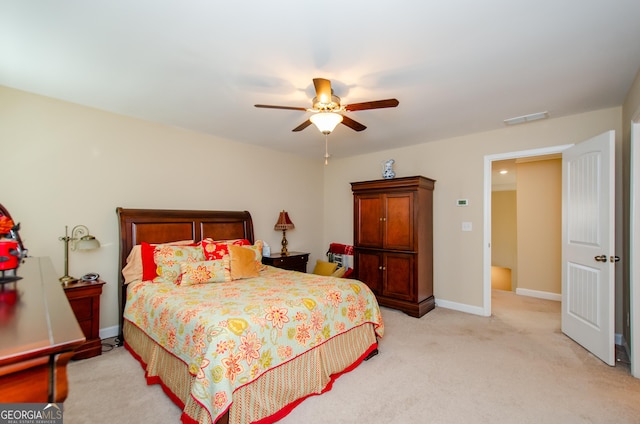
x,y
162,225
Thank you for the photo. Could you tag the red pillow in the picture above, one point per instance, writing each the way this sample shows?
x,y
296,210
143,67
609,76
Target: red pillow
x,y
214,250
148,263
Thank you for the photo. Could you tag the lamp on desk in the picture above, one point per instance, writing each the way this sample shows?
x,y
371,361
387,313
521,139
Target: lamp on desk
x,y
80,239
284,223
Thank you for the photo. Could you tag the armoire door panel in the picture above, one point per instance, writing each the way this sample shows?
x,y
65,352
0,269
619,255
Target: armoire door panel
x,y
369,228
398,221
368,266
398,276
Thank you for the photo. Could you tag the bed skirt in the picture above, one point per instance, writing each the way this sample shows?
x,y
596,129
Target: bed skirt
x,y
272,395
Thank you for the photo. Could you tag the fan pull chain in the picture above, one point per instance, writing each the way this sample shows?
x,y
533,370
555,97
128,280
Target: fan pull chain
x,y
326,149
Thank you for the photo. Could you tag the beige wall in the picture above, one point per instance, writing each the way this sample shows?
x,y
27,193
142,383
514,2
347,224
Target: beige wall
x,y
539,204
504,232
64,164
458,166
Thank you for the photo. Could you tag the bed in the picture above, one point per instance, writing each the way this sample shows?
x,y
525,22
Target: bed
x,y
245,350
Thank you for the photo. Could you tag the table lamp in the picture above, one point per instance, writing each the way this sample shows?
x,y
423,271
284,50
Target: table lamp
x,y
80,239
284,223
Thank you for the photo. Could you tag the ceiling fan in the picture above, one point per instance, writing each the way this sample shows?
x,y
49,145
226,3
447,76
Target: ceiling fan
x,y
327,109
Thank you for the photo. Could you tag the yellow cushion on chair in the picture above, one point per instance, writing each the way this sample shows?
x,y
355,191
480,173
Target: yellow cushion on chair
x,y
339,272
324,267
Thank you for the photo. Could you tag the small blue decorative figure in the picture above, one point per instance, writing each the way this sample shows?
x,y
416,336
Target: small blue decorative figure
x,y
387,169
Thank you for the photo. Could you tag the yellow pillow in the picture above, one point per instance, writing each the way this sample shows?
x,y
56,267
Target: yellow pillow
x,y
325,268
242,262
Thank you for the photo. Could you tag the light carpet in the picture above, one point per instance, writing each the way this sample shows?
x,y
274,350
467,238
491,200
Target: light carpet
x,y
447,367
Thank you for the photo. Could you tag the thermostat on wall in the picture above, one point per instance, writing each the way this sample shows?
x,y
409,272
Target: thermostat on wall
x,y
462,202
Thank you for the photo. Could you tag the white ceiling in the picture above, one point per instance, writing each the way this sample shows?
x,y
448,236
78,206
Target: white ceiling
x,y
456,66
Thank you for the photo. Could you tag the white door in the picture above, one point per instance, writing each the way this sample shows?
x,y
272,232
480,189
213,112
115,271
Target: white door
x,y
588,193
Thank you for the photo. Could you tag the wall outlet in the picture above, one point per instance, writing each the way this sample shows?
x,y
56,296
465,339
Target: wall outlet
x,y
467,226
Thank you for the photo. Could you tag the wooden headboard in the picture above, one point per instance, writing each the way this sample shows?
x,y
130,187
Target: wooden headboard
x,y
160,226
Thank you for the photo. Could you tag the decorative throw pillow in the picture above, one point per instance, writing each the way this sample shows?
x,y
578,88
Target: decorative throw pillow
x,y
204,272
242,262
257,249
168,258
218,249
324,267
132,271
140,259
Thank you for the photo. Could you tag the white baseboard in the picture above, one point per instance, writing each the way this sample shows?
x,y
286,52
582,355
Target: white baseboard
x,y
539,294
462,307
108,332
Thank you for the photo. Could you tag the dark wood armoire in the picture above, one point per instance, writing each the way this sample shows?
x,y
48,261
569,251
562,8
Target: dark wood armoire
x,y
393,241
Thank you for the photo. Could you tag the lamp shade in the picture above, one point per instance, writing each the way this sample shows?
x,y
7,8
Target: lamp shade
x,y
87,243
326,121
284,222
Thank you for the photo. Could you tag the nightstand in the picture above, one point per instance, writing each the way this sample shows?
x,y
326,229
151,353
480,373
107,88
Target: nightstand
x,y
84,297
294,261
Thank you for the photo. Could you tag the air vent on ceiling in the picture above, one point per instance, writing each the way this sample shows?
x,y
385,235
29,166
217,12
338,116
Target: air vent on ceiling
x,y
527,118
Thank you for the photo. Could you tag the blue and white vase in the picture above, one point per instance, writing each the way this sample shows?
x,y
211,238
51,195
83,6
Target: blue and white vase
x,y
387,169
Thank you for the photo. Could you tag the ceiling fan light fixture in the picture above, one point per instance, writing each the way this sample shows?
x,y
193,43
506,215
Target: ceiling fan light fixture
x,y
326,109
326,121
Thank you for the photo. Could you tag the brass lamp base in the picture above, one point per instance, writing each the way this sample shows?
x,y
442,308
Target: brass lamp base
x,y
67,279
284,251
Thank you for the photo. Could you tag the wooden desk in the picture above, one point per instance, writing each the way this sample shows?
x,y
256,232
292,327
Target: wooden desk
x,y
37,337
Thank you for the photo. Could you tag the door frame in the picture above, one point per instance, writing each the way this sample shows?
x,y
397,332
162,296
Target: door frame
x,y
634,246
488,162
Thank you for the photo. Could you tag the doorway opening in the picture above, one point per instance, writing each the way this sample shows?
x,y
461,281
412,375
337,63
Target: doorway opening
x,y
488,179
526,227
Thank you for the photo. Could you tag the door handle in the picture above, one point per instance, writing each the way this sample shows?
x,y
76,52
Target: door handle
x,y
601,258
614,258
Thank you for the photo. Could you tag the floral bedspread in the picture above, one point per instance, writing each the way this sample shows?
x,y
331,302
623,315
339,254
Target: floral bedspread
x,y
230,333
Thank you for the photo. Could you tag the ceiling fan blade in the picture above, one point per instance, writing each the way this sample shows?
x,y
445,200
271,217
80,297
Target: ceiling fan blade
x,y
377,104
323,89
282,107
356,126
302,126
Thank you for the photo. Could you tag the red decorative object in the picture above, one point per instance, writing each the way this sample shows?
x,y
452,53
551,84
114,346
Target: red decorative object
x,y
6,225
11,249
8,254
